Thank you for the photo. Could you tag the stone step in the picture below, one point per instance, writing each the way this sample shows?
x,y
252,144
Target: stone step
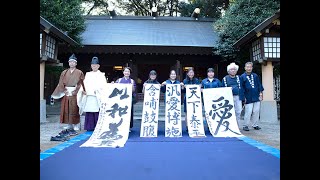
x,y
160,118
161,109
137,114
160,113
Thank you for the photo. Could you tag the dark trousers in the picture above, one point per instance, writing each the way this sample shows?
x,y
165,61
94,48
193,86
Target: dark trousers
x,y
131,119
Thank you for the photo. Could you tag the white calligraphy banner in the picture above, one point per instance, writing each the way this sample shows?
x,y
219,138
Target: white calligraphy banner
x,y
220,113
173,124
194,111
112,129
150,111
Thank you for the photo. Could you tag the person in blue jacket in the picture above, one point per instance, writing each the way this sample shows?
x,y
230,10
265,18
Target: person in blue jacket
x,y
233,80
190,79
253,89
210,81
172,80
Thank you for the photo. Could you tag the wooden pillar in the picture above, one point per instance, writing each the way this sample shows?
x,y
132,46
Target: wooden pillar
x,y
267,81
134,68
178,70
42,71
269,110
42,99
173,67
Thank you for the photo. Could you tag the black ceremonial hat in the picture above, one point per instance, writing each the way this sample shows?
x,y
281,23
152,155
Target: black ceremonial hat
x,y
95,60
73,58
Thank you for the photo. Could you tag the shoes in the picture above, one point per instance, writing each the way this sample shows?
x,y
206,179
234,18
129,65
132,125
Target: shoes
x,y
257,128
245,128
64,133
58,138
72,132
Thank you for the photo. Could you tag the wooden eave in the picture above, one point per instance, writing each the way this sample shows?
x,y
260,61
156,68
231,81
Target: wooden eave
x,y
49,28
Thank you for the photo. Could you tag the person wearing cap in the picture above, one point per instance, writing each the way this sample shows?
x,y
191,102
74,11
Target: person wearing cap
x,y
233,80
190,79
253,89
69,84
152,79
210,81
94,81
127,80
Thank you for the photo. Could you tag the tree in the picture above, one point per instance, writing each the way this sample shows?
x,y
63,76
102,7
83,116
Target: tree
x,y
241,17
208,8
100,5
66,15
143,7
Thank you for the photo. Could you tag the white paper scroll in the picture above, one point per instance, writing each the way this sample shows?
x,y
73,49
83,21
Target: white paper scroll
x,y
173,125
150,111
112,129
194,111
219,112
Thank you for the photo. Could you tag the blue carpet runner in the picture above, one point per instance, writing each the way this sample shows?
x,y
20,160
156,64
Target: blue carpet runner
x,y
162,158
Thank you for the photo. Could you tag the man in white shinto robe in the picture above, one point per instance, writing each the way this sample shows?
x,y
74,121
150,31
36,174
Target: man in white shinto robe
x,y
88,102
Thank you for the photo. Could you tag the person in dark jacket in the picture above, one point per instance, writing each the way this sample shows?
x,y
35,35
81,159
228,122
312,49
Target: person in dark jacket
x,y
152,79
190,79
253,89
172,80
210,81
233,80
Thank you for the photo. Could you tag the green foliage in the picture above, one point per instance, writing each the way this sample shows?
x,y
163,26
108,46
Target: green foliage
x,y
65,15
54,70
172,7
101,5
241,17
276,69
143,7
208,8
